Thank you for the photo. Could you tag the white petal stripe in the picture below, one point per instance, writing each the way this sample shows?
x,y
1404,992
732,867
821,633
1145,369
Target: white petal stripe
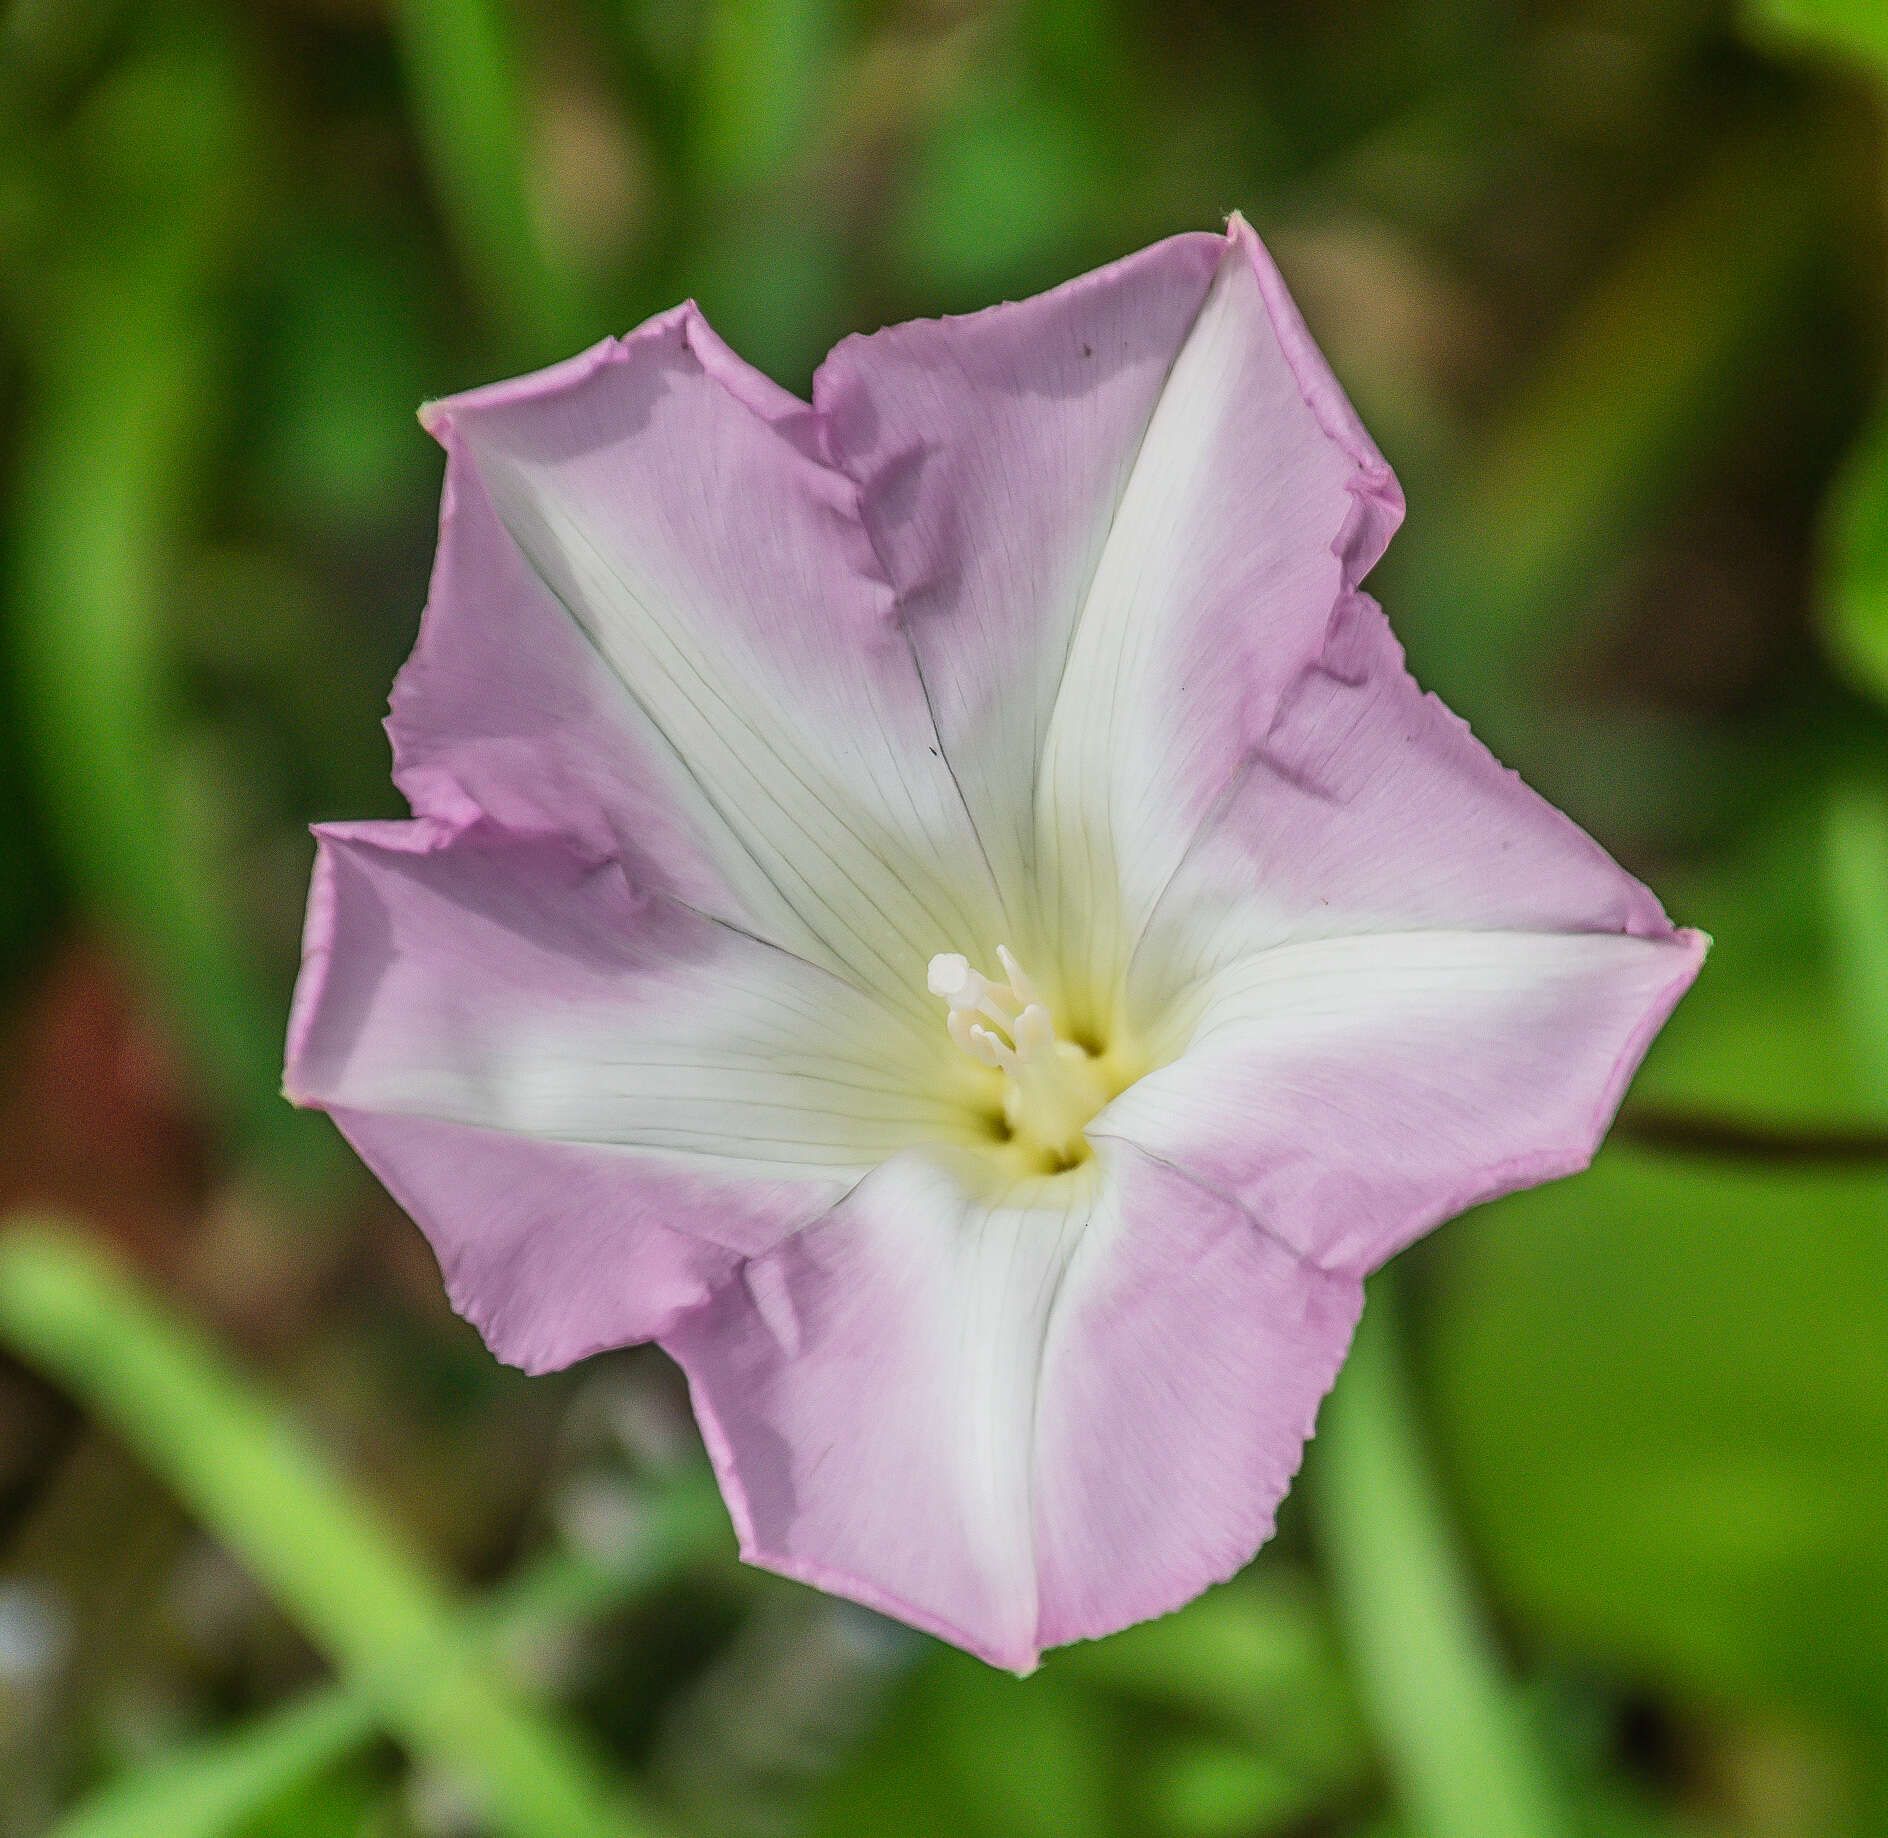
x,y
1215,587
517,988
724,576
1352,1092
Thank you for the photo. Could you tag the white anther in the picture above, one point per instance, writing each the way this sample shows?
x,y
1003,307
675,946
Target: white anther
x,y
951,977
1020,985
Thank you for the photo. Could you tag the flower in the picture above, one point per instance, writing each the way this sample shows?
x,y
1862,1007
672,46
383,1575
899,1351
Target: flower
x,y
943,907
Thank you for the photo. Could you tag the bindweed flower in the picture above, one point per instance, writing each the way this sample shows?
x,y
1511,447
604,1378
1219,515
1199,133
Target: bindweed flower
x,y
944,908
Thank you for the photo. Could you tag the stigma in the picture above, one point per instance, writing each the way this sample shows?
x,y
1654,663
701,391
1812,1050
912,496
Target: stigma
x,y
1052,1087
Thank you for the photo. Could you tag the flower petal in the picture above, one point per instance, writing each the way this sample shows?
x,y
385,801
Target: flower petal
x,y
1020,1421
672,501
1255,504
1180,1387
555,1250
505,709
992,451
1352,1092
481,979
1368,807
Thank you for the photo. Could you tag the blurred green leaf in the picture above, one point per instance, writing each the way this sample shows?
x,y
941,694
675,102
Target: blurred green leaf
x,y
969,1752
1763,1035
1597,443
1855,850
372,1606
765,257
1854,600
1459,1750
1257,1658
125,387
1665,1388
349,367
1000,194
1204,1789
204,1790
343,1803
1855,536
473,113
1049,1777
348,1802
765,71
1859,27
1238,1704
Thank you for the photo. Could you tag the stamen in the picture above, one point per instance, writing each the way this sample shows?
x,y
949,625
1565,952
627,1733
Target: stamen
x,y
1024,988
1035,1032
951,977
991,1050
1052,1087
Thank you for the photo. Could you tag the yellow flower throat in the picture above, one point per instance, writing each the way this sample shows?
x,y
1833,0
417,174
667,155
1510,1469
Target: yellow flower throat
x,y
1052,1087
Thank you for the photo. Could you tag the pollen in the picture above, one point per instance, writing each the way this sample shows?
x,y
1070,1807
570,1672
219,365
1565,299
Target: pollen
x,y
1052,1087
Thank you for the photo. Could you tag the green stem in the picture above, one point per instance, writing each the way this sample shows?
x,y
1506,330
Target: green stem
x,y
380,1614
1459,1752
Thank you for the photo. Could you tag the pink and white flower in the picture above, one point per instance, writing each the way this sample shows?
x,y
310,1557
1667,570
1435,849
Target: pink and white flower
x,y
944,908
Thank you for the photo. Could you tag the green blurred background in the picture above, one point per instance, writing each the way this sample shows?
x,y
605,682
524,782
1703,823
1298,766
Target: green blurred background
x,y
1594,1539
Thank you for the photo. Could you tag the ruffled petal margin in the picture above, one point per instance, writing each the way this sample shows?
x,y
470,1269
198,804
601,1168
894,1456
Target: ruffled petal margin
x,y
1255,505
593,1102
557,1250
670,500
1367,806
1021,1421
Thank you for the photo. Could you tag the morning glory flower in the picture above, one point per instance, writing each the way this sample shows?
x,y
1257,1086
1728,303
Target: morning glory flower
x,y
943,907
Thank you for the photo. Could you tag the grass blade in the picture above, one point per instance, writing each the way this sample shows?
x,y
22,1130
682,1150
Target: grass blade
x,y
204,1790
1458,1750
379,1613
474,124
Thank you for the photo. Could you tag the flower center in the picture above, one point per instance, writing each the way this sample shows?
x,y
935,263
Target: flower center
x,y
1051,1087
